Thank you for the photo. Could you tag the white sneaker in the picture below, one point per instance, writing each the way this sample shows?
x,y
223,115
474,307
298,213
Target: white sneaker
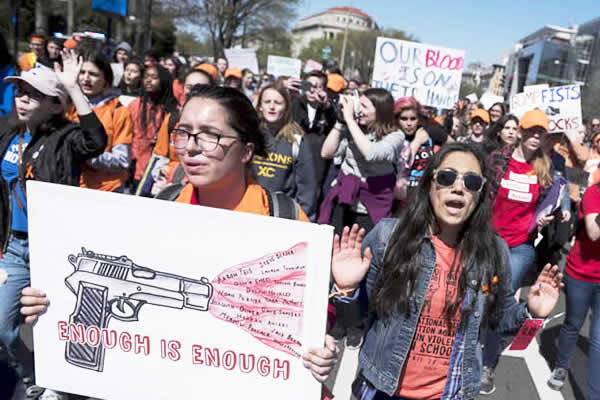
x,y
558,378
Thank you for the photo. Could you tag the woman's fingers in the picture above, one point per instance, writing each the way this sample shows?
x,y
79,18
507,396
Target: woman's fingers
x,y
345,238
336,244
29,291
33,310
353,236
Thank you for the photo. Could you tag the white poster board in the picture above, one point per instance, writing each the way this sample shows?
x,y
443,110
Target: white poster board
x,y
562,104
489,99
203,302
284,66
312,65
242,58
429,73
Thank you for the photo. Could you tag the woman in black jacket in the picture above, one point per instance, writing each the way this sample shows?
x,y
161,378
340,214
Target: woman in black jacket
x,y
38,143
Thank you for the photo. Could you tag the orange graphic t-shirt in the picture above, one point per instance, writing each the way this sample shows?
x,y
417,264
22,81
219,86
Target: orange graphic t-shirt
x,y
426,367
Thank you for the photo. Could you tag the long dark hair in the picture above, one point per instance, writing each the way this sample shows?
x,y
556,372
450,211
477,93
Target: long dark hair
x,y
477,245
179,70
491,137
164,98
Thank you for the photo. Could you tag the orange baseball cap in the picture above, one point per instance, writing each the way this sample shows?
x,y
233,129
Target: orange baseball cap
x,y
210,69
335,82
534,118
235,72
481,113
70,44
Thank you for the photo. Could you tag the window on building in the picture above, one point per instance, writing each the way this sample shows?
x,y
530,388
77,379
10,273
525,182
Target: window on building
x,y
581,72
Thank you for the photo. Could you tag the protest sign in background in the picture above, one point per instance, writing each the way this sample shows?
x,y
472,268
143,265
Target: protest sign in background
x,y
284,66
312,65
429,73
562,104
242,58
186,302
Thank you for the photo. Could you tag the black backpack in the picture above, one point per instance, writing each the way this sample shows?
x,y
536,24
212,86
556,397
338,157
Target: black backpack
x,y
280,204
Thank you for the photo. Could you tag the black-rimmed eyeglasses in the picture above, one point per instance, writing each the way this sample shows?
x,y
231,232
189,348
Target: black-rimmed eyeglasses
x,y
207,140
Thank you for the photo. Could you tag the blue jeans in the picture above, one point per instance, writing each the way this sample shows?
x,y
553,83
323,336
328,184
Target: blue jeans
x,y
521,260
580,296
15,263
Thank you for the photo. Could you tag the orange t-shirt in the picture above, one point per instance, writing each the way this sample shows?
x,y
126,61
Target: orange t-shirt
x,y
118,125
255,200
163,146
426,367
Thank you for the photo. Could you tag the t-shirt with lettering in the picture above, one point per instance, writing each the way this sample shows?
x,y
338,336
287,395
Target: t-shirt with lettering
x,y
515,203
583,262
426,368
10,173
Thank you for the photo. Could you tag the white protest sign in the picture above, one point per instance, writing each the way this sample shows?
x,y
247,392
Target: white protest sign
x,y
488,99
533,88
312,65
242,58
284,66
429,73
562,105
152,299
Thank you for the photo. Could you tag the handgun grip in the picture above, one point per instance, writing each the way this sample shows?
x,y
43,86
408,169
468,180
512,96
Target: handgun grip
x,y
90,310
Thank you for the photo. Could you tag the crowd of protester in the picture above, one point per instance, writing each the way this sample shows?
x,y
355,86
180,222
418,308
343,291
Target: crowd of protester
x,y
435,211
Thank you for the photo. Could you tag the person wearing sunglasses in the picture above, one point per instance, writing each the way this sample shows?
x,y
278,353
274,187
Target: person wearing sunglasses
x,y
431,281
37,143
522,176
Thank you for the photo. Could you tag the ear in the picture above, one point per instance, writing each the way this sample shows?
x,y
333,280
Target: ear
x,y
247,153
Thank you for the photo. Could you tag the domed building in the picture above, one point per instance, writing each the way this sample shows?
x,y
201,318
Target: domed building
x,y
328,24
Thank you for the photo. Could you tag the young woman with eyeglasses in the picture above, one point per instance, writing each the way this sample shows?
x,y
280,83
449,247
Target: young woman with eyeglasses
x,y
432,280
37,143
109,171
496,111
363,190
289,166
216,137
522,176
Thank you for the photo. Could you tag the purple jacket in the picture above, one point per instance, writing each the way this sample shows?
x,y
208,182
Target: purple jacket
x,y
377,194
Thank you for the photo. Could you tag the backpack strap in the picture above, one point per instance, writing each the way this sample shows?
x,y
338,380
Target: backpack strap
x,y
171,192
281,205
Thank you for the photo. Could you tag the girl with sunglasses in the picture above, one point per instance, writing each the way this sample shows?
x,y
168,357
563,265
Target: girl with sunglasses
x,y
37,143
522,176
432,279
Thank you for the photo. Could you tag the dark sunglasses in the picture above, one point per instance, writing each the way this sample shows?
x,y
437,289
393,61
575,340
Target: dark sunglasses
x,y
446,177
30,92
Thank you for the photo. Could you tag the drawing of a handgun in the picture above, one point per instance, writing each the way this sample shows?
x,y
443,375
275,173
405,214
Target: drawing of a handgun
x,y
114,287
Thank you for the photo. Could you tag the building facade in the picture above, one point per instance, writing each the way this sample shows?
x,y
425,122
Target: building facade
x,y
328,24
558,56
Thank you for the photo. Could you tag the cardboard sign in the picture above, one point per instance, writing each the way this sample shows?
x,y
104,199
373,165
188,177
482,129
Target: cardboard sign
x,y
242,58
153,299
526,334
284,66
488,99
312,65
562,105
429,73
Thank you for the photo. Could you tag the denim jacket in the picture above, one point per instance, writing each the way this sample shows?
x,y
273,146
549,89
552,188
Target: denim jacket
x,y
387,342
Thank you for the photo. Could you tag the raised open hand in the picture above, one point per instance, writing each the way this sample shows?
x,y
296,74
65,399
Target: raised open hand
x,y
69,73
348,267
543,294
